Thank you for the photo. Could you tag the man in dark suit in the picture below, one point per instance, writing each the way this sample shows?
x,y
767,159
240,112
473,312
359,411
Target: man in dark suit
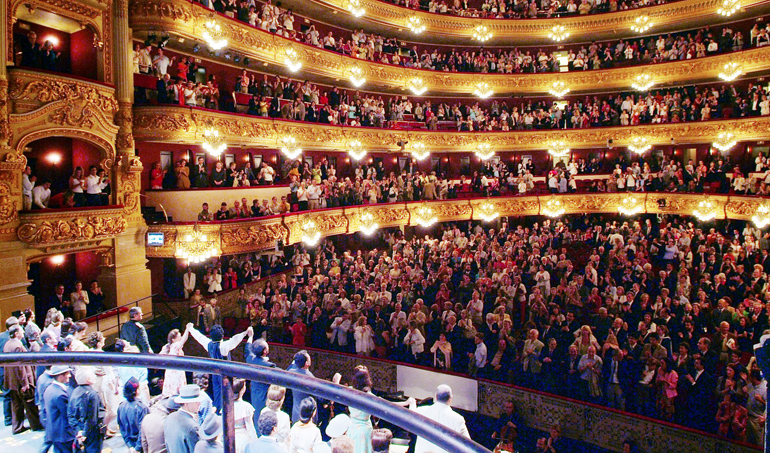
x,y
20,382
300,365
60,302
83,412
267,442
134,332
57,430
162,86
700,403
258,355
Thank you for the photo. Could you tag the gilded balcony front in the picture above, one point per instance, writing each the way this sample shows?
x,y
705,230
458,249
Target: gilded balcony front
x,y
68,230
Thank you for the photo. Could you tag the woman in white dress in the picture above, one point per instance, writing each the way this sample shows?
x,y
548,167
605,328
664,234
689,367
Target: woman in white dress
x,y
174,380
106,385
363,336
243,415
275,397
305,435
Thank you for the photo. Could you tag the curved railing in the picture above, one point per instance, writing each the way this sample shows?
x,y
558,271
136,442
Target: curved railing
x,y
414,423
262,233
187,125
186,19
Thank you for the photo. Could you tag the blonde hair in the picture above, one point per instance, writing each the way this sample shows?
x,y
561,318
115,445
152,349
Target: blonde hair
x,y
275,397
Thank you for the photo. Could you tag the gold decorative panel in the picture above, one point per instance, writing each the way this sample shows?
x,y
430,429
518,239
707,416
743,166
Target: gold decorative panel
x,y
62,230
186,19
186,125
252,235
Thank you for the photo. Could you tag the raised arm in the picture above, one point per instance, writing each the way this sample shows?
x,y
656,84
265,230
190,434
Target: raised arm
x,y
199,337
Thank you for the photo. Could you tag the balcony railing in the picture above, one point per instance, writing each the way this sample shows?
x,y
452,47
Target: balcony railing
x,y
251,235
70,229
185,19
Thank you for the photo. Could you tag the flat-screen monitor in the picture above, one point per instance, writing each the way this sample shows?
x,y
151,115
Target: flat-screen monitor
x,y
155,239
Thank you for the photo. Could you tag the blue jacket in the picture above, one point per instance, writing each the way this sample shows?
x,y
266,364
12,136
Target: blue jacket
x,y
57,427
180,432
135,333
258,389
298,396
130,416
265,444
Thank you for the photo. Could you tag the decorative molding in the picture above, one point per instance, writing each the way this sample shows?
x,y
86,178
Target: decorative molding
x,y
9,211
185,18
45,229
185,124
245,236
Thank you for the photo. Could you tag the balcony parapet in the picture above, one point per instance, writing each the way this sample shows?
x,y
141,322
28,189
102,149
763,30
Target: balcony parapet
x,y
60,230
187,124
253,235
186,19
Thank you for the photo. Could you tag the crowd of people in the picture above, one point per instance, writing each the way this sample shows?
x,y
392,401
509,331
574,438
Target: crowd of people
x,y
36,55
83,190
522,9
654,318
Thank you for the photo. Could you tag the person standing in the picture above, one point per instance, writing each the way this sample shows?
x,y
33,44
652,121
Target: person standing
x,y
189,283
57,430
267,441
300,365
258,356
4,337
131,412
181,427
219,350
152,436
83,411
210,431
26,187
20,382
134,332
441,412
79,300
174,380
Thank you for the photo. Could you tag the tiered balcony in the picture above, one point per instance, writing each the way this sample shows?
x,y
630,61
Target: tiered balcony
x,y
71,230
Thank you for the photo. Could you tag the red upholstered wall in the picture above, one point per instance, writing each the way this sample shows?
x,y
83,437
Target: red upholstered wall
x,y
73,153
84,62
43,34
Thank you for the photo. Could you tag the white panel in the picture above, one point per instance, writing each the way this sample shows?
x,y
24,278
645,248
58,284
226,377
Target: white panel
x,y
422,384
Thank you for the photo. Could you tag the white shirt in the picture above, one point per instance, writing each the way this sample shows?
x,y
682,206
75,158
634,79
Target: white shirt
x,y
94,184
304,436
26,186
161,63
189,281
224,346
40,196
444,415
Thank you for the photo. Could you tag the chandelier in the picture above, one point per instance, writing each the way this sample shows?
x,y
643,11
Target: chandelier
x,y
731,71
291,59
559,149
415,24
356,76
705,211
487,212
196,247
356,150
482,33
559,89
419,151
289,147
213,35
643,82
640,145
213,142
417,86
762,218
356,8
641,24
558,33
484,151
554,208
368,225
310,233
630,206
725,141
424,216
483,90
729,7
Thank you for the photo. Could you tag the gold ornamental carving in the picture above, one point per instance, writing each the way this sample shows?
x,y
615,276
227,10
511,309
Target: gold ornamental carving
x,y
78,229
9,211
255,237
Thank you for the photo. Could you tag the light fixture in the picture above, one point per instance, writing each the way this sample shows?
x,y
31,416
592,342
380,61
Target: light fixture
x,y
559,89
705,211
356,75
641,24
558,149
487,212
729,7
643,82
356,150
482,33
554,208
725,141
291,59
415,24
213,35
356,8
196,247
419,151
417,86
310,233
424,216
54,158
484,151
213,142
57,260
731,71
483,90
558,33
368,225
289,147
762,218
640,145
630,206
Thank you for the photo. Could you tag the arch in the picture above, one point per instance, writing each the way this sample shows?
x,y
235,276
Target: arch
x,y
107,148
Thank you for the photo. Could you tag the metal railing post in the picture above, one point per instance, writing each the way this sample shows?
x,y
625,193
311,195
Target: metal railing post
x,y
228,414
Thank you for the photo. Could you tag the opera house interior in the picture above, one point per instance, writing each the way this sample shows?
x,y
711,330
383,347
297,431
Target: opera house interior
x,y
541,224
